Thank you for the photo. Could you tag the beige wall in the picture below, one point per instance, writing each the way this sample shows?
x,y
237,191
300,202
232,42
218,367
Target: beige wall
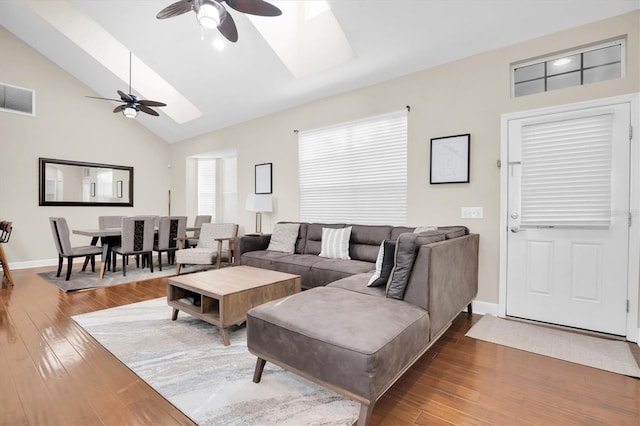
x,y
465,96
72,127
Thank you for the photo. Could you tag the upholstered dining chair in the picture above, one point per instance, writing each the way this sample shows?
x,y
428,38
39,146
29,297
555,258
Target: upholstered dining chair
x,y
214,244
60,230
107,222
197,223
137,239
170,229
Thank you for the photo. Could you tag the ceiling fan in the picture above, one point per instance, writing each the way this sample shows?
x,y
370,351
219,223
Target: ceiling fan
x,y
212,14
131,104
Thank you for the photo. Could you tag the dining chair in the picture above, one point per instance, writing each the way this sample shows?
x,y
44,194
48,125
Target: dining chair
x,y
170,229
200,219
60,230
214,244
106,222
5,233
137,239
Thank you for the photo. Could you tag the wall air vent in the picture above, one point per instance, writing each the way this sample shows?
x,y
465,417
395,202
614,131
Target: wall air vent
x,y
17,100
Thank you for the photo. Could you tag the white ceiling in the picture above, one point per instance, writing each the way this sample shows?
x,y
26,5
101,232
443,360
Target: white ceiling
x,y
247,80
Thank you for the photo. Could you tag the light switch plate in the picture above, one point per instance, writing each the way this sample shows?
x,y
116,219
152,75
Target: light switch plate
x,y
471,213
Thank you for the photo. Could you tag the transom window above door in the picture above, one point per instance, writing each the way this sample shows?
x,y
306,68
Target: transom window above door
x,y
605,61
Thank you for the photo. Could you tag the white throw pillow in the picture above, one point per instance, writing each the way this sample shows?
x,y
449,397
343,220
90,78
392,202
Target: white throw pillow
x,y
284,237
335,243
378,271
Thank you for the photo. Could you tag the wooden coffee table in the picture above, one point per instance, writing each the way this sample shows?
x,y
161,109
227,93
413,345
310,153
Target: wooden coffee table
x,y
227,294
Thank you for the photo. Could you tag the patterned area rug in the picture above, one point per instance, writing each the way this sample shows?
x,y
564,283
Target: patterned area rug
x,y
186,362
605,354
82,280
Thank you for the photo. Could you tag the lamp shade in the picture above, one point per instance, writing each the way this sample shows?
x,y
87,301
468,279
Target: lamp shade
x,y
259,203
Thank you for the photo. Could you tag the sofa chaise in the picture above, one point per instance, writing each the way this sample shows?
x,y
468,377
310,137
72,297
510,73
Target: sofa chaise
x,y
347,335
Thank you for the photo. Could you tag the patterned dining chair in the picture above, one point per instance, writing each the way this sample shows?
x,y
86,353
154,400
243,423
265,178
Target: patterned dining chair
x,y
61,238
137,239
170,229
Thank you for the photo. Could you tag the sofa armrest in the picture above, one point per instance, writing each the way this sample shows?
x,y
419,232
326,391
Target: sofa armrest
x,y
248,243
453,278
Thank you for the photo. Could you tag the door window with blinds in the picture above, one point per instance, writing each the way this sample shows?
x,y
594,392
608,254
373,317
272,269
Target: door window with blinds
x,y
566,173
355,172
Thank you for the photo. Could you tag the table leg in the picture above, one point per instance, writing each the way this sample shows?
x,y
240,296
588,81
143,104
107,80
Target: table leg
x,y
174,316
225,336
5,266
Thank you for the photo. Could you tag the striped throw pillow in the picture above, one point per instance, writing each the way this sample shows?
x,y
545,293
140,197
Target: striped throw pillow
x,y
335,243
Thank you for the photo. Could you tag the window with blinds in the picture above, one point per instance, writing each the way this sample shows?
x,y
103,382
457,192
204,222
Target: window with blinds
x,y
355,172
207,186
566,173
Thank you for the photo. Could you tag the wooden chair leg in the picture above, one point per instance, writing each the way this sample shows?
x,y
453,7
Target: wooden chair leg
x,y
150,256
178,267
257,374
93,263
124,266
160,260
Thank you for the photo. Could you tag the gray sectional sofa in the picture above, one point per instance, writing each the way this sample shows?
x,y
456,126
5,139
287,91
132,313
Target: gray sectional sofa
x,y
350,337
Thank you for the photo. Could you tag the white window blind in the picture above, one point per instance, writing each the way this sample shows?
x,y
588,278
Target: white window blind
x,y
229,190
355,172
566,173
207,186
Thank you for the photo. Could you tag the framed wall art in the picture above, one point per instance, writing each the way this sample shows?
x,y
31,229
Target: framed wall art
x,y
263,175
450,159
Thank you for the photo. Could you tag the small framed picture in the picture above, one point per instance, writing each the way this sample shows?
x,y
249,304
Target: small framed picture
x,y
263,178
119,189
450,159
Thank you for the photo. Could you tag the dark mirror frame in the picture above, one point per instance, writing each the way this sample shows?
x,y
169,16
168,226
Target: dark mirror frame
x,y
42,184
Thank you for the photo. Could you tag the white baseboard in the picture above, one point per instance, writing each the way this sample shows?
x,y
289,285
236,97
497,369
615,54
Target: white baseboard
x,y
33,264
483,308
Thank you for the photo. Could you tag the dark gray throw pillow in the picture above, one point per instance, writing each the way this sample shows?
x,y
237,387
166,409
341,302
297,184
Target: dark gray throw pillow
x,y
406,249
388,257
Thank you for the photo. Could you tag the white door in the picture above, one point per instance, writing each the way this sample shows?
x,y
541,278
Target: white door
x,y
568,224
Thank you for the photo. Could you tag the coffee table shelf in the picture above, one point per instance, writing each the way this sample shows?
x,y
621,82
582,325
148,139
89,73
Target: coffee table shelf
x,y
227,294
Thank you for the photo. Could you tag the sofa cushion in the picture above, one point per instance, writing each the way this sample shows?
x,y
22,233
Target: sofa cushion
x,y
406,249
366,239
453,231
329,270
261,258
351,340
335,243
284,237
397,230
358,282
384,264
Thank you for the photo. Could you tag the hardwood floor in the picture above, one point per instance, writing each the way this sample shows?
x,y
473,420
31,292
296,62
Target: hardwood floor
x,y
53,373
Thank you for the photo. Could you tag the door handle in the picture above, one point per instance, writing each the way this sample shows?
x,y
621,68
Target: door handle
x,y
515,229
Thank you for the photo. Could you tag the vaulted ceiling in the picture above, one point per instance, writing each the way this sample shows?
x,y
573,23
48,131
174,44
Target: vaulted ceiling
x,y
247,79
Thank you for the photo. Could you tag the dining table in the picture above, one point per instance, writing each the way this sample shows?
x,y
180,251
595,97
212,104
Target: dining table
x,y
97,234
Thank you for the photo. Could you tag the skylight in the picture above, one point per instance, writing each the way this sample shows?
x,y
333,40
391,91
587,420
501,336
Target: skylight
x,y
307,37
113,55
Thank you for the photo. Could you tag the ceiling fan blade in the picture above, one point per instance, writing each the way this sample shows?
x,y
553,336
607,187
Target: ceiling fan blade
x,y
119,108
228,29
151,103
175,9
146,109
104,99
254,7
125,97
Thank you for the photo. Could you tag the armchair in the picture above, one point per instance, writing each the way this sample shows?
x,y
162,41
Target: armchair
x,y
214,244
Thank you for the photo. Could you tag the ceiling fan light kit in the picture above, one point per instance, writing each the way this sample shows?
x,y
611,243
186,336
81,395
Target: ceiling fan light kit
x,y
130,112
210,13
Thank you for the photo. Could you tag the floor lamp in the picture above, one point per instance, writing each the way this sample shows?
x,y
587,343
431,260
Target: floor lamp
x,y
259,203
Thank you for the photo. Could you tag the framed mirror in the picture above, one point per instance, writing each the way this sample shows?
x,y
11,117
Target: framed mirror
x,y
75,183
